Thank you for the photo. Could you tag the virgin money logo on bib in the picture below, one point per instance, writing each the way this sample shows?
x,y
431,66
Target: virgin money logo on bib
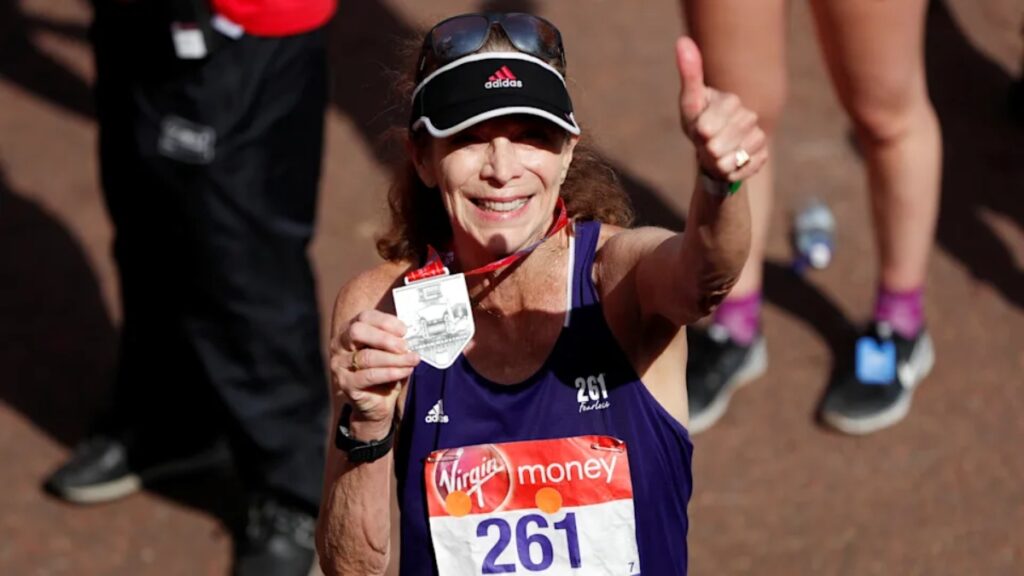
x,y
472,480
547,507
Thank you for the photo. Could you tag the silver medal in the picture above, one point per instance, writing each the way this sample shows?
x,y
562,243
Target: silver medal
x,y
437,314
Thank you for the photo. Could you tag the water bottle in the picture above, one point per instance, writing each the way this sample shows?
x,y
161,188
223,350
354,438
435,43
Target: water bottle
x,y
814,230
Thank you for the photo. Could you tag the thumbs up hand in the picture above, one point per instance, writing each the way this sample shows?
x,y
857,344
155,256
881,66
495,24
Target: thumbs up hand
x,y
730,145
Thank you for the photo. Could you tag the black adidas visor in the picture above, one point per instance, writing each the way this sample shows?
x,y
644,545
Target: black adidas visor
x,y
487,85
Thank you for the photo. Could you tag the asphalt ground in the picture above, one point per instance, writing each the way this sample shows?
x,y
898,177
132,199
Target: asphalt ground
x,y
941,493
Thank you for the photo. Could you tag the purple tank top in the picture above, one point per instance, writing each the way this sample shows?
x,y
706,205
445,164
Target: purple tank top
x,y
474,410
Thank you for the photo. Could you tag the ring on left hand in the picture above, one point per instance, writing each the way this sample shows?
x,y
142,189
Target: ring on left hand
x,y
354,364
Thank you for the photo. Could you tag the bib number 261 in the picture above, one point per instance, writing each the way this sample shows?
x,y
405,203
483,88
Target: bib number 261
x,y
526,543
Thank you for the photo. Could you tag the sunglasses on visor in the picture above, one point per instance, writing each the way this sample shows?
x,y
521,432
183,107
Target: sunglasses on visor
x,y
463,35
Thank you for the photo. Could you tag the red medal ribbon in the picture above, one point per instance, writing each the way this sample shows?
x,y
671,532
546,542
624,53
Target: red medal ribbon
x,y
435,267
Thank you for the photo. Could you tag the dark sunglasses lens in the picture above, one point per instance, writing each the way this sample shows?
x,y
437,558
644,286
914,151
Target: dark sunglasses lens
x,y
532,35
459,36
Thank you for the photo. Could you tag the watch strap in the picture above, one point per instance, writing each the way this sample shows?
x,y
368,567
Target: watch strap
x,y
361,450
718,188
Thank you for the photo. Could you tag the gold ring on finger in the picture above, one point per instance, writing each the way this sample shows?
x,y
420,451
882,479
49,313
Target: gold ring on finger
x,y
742,158
354,364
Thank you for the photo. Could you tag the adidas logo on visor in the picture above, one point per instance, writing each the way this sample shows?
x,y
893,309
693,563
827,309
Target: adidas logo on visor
x,y
503,78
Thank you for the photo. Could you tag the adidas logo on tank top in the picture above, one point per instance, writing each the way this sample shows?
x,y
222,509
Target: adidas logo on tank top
x,y
436,414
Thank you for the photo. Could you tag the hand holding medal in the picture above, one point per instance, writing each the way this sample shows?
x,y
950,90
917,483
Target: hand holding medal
x,y
373,361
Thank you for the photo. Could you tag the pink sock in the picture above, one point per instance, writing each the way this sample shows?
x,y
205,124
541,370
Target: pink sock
x,y
741,317
904,311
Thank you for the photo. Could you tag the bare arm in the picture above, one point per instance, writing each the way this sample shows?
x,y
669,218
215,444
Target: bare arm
x,y
688,274
682,277
353,533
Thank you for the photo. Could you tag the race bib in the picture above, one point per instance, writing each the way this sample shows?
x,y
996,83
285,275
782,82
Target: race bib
x,y
560,506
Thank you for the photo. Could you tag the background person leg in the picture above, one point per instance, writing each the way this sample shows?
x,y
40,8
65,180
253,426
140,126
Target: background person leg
x,y
875,55
743,46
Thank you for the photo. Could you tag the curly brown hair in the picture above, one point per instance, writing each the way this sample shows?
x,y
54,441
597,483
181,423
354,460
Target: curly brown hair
x,y
591,190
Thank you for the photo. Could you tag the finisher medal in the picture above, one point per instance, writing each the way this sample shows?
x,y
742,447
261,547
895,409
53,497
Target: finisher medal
x,y
436,312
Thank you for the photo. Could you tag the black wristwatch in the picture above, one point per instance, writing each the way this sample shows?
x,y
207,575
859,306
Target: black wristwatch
x,y
718,188
359,451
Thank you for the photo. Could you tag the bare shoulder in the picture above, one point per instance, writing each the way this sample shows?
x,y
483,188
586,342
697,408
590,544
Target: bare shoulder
x,y
619,249
368,290
632,236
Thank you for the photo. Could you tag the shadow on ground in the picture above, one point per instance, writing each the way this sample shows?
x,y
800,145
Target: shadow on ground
x,y
23,63
58,354
983,166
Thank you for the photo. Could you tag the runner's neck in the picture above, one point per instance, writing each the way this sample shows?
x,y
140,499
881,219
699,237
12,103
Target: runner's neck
x,y
510,290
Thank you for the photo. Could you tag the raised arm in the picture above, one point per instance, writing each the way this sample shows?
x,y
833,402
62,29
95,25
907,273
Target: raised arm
x,y
682,277
369,365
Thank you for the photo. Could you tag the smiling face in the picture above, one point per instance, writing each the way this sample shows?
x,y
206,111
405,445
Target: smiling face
x,y
499,181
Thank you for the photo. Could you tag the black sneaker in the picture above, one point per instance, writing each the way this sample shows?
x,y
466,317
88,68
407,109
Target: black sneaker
x,y
873,391
717,366
278,540
104,469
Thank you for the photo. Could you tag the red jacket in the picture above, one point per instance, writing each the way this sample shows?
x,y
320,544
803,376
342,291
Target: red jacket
x,y
276,17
